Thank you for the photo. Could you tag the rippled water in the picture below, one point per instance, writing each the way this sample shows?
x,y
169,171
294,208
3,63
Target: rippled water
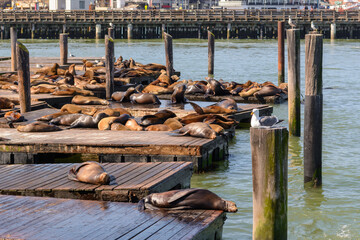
x,y
332,212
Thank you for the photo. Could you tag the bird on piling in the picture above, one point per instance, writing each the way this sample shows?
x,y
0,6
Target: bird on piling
x,y
265,121
71,55
313,26
291,23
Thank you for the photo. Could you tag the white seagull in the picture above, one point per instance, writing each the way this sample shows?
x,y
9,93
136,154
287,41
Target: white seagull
x,y
291,23
70,55
265,121
313,26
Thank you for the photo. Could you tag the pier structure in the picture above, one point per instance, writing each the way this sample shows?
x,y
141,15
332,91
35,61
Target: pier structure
x,y
150,24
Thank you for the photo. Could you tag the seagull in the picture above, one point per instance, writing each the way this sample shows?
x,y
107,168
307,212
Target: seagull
x,y
70,55
111,24
291,23
39,65
265,121
313,26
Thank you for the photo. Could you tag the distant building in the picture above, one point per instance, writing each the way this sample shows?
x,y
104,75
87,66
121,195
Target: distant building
x,y
267,4
69,4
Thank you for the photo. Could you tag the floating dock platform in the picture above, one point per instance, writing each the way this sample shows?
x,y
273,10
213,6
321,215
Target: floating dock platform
x,y
51,218
133,181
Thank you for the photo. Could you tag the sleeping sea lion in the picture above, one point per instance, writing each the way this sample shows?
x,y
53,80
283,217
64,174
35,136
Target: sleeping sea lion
x,y
236,90
6,103
144,98
228,103
38,127
50,117
89,172
113,112
41,89
82,100
173,123
217,88
87,121
195,88
123,96
133,125
268,90
158,127
66,119
198,129
156,89
105,123
72,108
213,109
178,95
13,116
192,198
119,127
217,128
249,93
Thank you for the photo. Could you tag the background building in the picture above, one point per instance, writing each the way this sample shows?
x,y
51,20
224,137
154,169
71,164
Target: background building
x,y
69,4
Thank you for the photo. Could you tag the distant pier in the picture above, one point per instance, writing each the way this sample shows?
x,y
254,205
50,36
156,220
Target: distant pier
x,y
148,24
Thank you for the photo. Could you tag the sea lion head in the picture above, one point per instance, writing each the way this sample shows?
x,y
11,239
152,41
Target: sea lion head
x,y
210,133
104,178
230,206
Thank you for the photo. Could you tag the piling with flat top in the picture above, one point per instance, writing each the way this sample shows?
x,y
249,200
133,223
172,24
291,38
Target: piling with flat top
x,y
13,36
163,28
98,31
211,53
281,53
130,31
22,55
333,30
169,54
63,48
199,32
109,62
228,31
294,111
269,149
111,32
313,110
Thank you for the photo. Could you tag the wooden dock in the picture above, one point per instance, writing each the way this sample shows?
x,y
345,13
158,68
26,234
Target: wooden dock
x,y
50,218
133,181
111,146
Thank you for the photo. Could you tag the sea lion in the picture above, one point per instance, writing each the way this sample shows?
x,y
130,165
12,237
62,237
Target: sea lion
x,y
150,120
217,128
6,103
72,69
13,116
50,117
236,90
144,98
66,119
38,127
87,121
164,78
178,95
214,119
113,112
89,172
212,109
133,125
156,89
158,127
82,100
173,123
191,198
217,89
123,96
195,88
72,108
228,103
105,123
268,90
249,93
41,89
198,129
119,127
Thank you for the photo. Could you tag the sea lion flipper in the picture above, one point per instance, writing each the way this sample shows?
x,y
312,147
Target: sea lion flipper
x,y
72,173
181,194
141,205
197,108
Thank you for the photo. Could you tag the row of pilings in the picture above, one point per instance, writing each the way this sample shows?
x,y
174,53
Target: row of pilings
x,y
154,31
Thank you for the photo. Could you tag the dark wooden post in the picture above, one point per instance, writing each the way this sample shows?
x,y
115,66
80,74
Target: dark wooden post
x,y
313,110
228,31
111,32
294,111
24,77
281,53
169,54
63,48
211,53
269,149
13,36
109,62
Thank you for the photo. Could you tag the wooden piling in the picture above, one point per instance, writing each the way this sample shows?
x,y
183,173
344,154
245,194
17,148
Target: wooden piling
x,y
111,32
281,53
211,53
199,32
163,28
333,30
269,149
13,36
98,31
63,48
169,54
109,62
24,77
313,110
130,31
294,111
228,31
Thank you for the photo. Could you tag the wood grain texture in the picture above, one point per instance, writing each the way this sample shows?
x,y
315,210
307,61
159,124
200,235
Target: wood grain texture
x,y
13,39
63,48
211,53
109,64
313,64
22,55
169,54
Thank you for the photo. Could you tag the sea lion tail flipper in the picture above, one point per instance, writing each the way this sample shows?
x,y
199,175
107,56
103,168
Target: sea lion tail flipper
x,y
197,108
72,173
141,205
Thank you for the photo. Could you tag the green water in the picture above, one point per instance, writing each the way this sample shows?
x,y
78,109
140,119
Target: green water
x,y
332,212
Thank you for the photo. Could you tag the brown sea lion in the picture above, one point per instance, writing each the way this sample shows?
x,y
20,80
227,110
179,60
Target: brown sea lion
x,y
6,103
228,103
213,109
173,123
123,96
178,95
144,98
249,92
89,172
50,117
133,125
38,127
13,116
41,89
158,127
217,89
192,198
113,112
195,88
156,89
268,90
236,90
72,108
82,100
198,129
105,123
119,127
72,69
221,122
87,121
217,128
66,119
164,78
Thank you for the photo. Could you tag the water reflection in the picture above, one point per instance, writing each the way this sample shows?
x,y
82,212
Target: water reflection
x,y
295,152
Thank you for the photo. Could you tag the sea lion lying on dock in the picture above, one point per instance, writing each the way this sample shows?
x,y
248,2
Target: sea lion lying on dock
x,y
144,98
105,123
133,125
158,118
119,127
216,88
89,172
212,109
72,108
6,103
158,127
38,127
13,116
87,121
192,198
52,116
123,96
82,100
268,90
197,129
178,95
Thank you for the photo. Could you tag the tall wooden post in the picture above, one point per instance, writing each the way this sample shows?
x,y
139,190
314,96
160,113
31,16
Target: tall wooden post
x,y
13,36
98,31
109,62
228,31
169,54
333,31
63,48
130,31
24,77
313,110
32,31
293,42
199,31
281,53
111,32
269,149
163,28
211,53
